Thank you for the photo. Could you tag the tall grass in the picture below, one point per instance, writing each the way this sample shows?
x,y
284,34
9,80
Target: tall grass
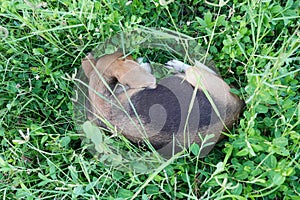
x,y
254,45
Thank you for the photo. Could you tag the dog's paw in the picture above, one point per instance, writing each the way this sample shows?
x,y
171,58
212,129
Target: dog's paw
x,y
177,65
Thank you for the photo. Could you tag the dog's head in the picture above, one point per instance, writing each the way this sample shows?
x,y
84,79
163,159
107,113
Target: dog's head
x,y
116,66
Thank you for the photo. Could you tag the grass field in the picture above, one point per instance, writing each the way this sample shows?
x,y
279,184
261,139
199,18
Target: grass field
x,y
255,46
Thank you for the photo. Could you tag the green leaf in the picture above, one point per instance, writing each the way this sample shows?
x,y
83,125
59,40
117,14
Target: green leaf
x,y
43,177
152,189
96,136
268,121
235,91
78,190
124,193
139,167
208,18
288,172
90,186
243,152
38,51
237,190
257,147
64,141
4,166
100,146
43,183
117,175
1,131
280,142
271,162
88,129
12,87
2,162
239,143
289,4
278,179
145,197
261,109
221,20
242,175
195,149
73,173
44,139
276,9
116,160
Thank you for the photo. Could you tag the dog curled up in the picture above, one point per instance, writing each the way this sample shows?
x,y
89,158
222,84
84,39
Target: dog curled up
x,y
193,106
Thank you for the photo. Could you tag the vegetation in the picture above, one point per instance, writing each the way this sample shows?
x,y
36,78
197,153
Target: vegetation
x,y
255,46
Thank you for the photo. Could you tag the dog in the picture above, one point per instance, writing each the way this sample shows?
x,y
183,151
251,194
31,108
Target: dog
x,y
193,106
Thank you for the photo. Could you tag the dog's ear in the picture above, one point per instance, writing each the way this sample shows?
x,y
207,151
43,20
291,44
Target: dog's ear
x,y
129,72
88,64
125,70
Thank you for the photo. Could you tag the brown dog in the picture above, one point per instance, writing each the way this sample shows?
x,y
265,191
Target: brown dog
x,y
181,109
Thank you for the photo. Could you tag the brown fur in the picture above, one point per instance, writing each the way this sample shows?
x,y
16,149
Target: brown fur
x,y
106,105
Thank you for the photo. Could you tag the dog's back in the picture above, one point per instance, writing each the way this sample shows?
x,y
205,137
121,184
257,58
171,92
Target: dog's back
x,y
180,110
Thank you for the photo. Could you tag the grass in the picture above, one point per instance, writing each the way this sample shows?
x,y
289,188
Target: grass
x,y
255,47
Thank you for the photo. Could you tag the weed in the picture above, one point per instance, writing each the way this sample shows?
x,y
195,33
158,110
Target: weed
x,y
255,47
